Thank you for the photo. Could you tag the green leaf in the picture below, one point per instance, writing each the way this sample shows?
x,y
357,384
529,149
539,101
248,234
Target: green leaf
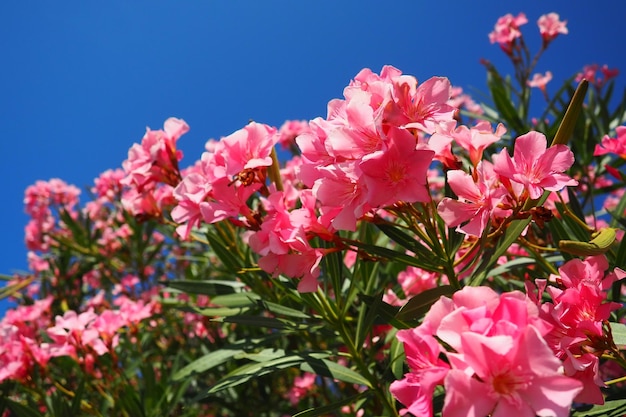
x,y
21,410
510,236
401,257
396,358
256,369
502,101
566,128
405,240
259,321
219,311
211,287
207,362
615,408
282,310
130,401
334,370
330,408
418,305
242,299
224,252
618,330
521,262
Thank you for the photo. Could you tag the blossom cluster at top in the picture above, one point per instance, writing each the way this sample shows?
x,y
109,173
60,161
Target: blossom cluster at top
x,y
375,148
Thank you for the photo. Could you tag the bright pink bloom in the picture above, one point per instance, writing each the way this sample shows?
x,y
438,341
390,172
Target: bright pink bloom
x,y
506,31
424,106
534,166
283,244
190,193
550,26
249,148
577,314
156,158
301,386
397,173
342,191
615,145
417,387
507,375
499,363
477,201
228,200
415,280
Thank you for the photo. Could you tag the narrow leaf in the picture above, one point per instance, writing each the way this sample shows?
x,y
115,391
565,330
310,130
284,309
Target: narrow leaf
x,y
418,305
333,370
330,408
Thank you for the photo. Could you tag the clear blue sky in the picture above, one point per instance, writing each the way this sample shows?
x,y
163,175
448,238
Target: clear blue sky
x,y
80,80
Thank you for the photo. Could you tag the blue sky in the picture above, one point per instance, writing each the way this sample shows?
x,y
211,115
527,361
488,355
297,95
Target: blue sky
x,y
81,80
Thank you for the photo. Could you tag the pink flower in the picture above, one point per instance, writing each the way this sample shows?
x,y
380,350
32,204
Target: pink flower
x,y
589,73
417,388
301,386
498,364
477,138
156,158
290,130
249,148
506,31
397,173
540,81
477,201
507,375
615,145
550,26
342,191
534,166
424,106
577,313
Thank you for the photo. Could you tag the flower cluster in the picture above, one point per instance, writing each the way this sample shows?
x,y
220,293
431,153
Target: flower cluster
x,y
578,314
496,189
496,359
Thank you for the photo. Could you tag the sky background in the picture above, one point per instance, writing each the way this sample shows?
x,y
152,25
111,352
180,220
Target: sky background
x,y
81,80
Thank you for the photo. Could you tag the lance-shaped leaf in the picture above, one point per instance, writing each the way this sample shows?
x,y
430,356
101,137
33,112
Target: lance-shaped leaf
x,y
418,305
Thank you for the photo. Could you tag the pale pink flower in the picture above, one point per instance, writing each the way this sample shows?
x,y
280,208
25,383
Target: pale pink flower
x,y
540,81
290,130
534,166
589,73
506,31
477,138
550,26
